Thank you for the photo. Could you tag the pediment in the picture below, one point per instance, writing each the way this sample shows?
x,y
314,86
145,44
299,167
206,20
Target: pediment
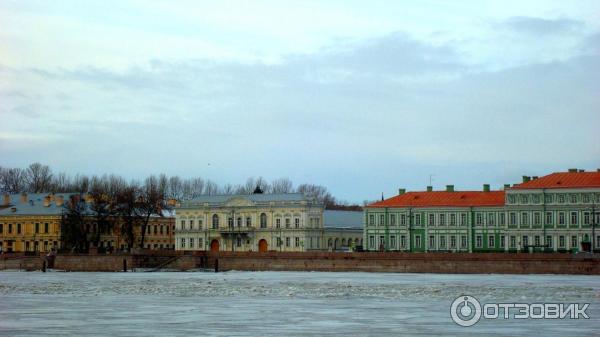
x,y
239,201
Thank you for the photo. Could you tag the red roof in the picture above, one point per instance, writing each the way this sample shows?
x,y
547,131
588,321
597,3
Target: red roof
x,y
444,199
563,180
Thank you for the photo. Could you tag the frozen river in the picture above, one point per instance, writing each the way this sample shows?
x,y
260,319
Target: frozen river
x,y
279,304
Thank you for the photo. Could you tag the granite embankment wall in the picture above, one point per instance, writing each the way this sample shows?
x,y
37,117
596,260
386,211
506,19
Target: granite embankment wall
x,y
461,263
476,263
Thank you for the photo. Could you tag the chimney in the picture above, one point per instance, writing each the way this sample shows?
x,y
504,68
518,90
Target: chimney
x,y
526,179
23,198
401,191
534,177
572,170
60,200
6,200
581,170
13,209
429,188
486,187
506,186
449,188
47,200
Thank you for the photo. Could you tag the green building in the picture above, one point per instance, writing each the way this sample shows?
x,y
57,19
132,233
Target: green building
x,y
556,212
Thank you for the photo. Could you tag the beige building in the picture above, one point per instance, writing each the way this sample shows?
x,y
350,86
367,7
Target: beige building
x,y
289,222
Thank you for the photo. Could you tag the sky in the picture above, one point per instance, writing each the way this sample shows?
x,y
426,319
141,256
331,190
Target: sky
x,y
363,97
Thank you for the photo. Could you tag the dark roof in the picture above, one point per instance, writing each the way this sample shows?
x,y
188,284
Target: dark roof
x,y
252,197
342,219
34,204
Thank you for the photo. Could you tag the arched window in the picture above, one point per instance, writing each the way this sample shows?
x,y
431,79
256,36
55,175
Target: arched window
x,y
215,221
230,222
239,222
263,220
343,242
330,243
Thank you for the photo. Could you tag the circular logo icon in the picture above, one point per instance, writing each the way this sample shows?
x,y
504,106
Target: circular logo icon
x,y
465,310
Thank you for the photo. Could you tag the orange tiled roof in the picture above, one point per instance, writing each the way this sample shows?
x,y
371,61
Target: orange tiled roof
x,y
444,199
563,180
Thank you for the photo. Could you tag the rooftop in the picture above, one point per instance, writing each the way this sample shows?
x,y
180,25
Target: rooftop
x,y
443,199
563,180
257,197
343,219
33,204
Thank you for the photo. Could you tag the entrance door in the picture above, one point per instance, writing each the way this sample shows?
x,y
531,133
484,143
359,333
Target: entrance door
x,y
214,245
263,246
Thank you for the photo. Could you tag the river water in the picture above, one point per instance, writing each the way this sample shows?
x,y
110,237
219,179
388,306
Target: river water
x,y
280,304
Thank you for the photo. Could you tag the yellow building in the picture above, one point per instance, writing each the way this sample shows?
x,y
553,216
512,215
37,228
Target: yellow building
x,y
30,222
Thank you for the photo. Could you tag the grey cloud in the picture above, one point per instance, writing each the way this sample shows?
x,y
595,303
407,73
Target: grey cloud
x,y
541,27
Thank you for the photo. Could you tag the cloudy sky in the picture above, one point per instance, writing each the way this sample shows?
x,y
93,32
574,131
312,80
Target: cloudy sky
x,y
362,97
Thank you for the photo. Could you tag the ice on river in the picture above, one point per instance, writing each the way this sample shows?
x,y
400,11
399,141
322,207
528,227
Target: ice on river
x,y
279,303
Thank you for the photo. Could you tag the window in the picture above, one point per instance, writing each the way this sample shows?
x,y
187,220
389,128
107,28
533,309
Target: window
x,y
402,241
238,222
297,242
573,198
248,221
393,219
263,220
452,241
442,242
511,199
524,199
403,219
573,218
548,218
191,225
586,198
287,242
502,220
525,241
512,218
182,242
574,241
37,228
524,219
156,229
586,218
535,199
238,241
442,220
537,218
561,198
452,219
491,242
431,242
393,242
199,243
431,219
479,219
230,222
513,241
18,228
561,241
1,228
381,220
549,241
478,241
491,219
278,223
418,241
417,219
561,218
463,219
371,219
502,241
215,221
191,242
288,222
536,240
371,241
297,222
548,198
463,241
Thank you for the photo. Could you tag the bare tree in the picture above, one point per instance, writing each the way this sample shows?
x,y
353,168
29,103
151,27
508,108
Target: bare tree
x,y
281,185
12,180
150,202
38,178
211,188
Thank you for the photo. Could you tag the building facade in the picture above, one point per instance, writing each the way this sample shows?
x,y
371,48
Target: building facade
x,y
32,223
343,230
257,222
552,213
